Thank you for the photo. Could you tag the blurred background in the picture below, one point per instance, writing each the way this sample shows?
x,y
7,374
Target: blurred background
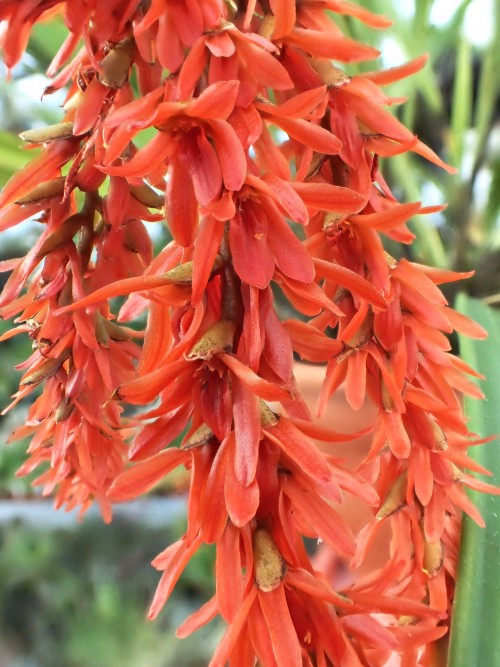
x,y
74,594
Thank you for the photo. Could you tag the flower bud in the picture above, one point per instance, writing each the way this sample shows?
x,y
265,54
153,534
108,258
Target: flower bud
x,y
45,190
200,437
115,65
183,274
270,568
363,334
147,196
266,28
267,416
63,410
218,339
433,558
395,499
440,440
41,135
47,369
332,76
115,331
62,234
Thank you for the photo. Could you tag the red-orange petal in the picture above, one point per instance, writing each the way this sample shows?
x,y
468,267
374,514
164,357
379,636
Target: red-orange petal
x,y
142,477
284,638
326,197
266,390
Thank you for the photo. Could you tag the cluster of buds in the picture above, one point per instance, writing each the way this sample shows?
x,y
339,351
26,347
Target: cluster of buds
x,y
229,120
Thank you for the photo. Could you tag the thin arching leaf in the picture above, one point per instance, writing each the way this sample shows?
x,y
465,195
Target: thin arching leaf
x,y
476,615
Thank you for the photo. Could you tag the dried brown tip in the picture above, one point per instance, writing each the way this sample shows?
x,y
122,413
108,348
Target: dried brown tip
x,y
270,568
147,196
330,75
183,274
390,261
45,190
267,416
395,499
433,558
101,332
46,370
266,27
63,411
115,65
330,220
200,437
41,135
218,339
62,234
363,334
440,440
115,331
316,164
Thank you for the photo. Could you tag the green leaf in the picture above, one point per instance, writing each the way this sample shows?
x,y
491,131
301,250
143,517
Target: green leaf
x,y
461,112
46,38
492,209
12,157
489,87
475,634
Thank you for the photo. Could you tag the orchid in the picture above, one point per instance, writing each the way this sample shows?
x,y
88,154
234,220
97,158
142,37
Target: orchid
x,y
235,124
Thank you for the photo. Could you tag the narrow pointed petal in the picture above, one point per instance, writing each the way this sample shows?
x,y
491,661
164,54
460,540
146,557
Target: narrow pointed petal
x,y
387,76
287,198
351,280
377,21
181,205
291,257
146,388
159,434
216,101
309,134
284,639
327,524
142,477
301,449
230,153
252,259
324,44
242,502
284,17
231,636
178,557
206,247
264,66
200,160
198,619
263,388
153,153
157,338
299,105
326,197
247,429
228,573
119,288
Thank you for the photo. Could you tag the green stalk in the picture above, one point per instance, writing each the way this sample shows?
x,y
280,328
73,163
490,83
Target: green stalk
x,y
475,633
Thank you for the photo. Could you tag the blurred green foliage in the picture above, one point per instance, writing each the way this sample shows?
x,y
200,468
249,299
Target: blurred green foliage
x,y
78,597
477,594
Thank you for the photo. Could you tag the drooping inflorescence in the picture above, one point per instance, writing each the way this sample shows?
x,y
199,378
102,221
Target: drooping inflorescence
x,y
228,120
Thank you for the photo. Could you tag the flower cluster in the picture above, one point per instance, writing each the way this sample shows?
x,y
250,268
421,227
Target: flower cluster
x,y
229,120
